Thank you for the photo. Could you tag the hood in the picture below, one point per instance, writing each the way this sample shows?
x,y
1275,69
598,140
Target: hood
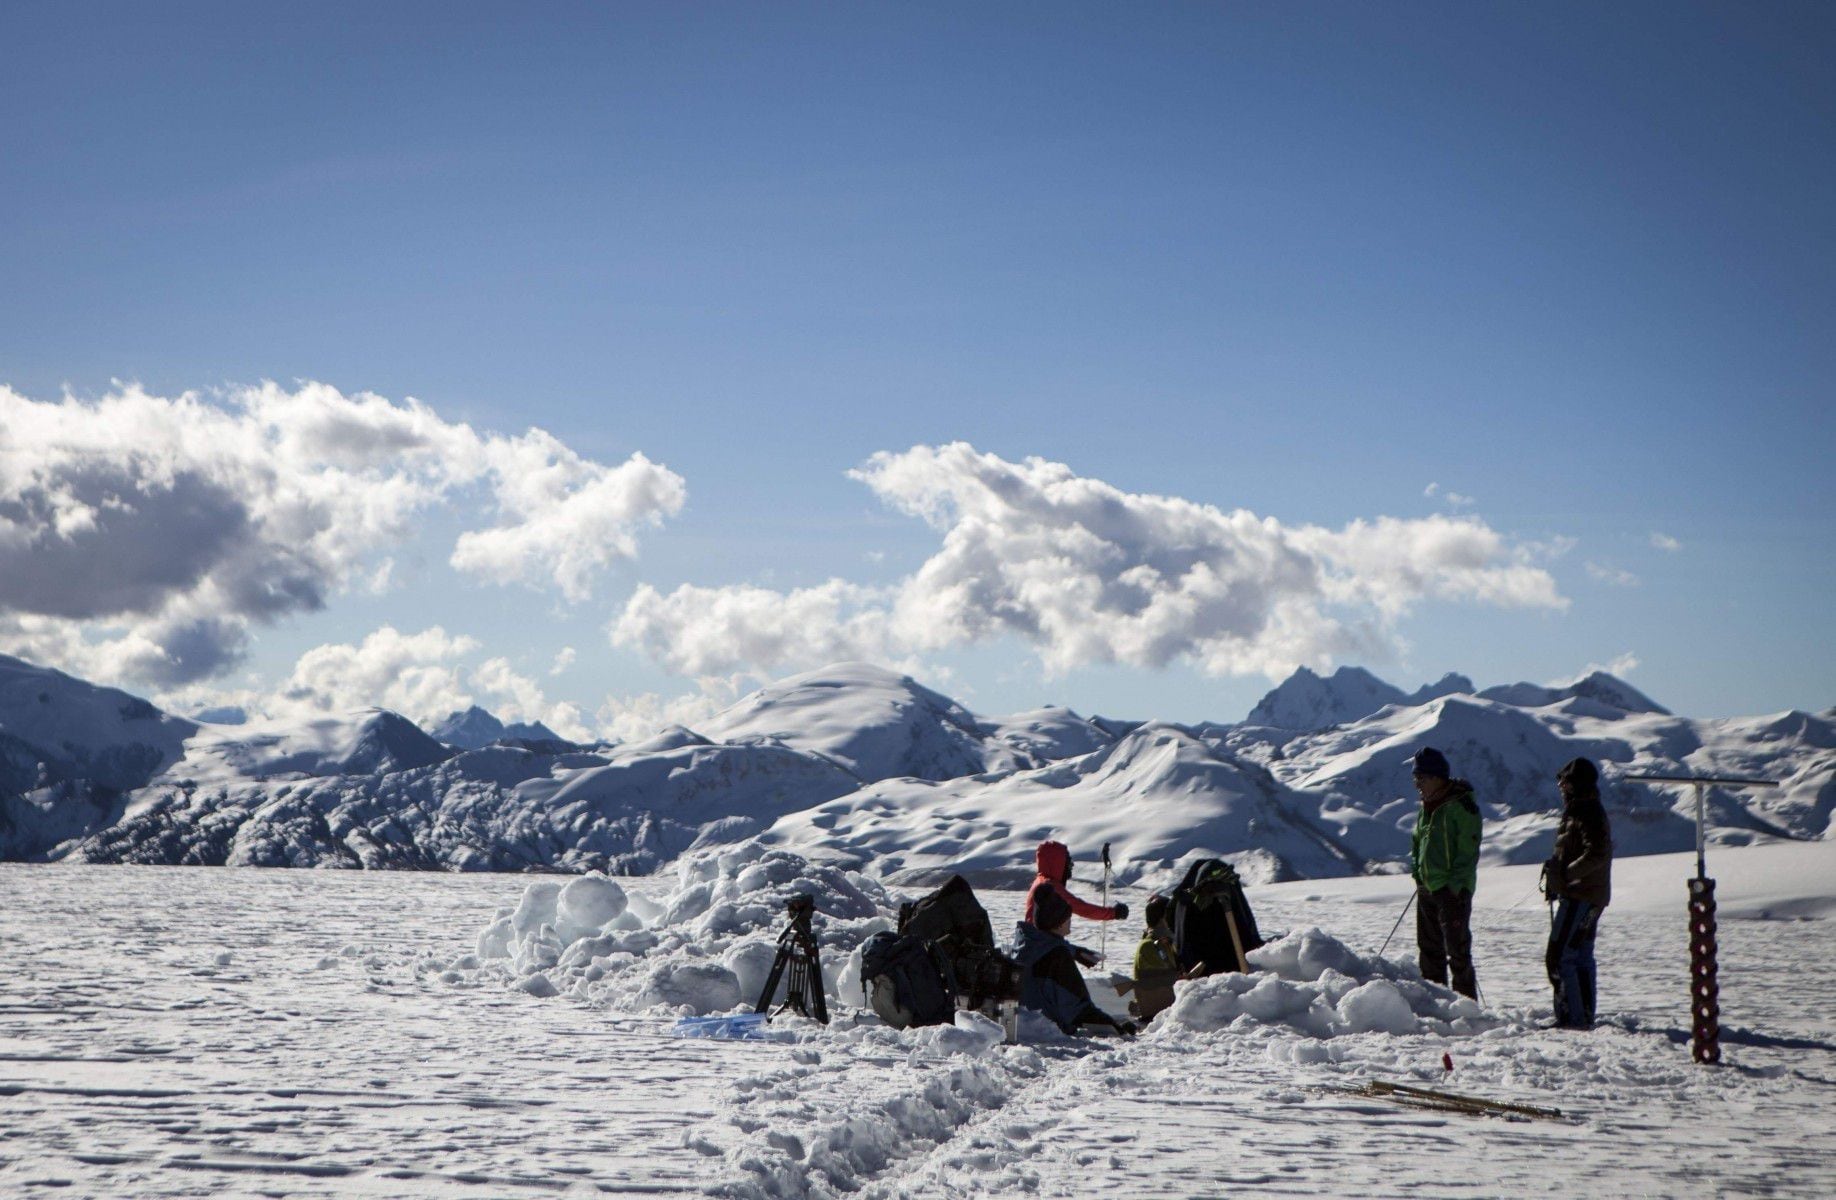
x,y
1053,861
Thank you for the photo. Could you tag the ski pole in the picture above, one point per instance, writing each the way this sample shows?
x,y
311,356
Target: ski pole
x,y
1105,942
1398,925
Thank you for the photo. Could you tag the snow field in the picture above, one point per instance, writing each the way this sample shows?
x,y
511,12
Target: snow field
x,y
857,1108
357,1042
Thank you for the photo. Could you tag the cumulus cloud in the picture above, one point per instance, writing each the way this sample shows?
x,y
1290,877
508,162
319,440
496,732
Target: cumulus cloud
x,y
708,630
415,674
514,697
1087,573
566,517
141,535
425,676
1663,541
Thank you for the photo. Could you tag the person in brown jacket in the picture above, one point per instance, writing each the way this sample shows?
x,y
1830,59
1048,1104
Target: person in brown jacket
x,y
1578,879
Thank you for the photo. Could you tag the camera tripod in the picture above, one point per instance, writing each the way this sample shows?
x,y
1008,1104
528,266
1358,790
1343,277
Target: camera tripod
x,y
797,948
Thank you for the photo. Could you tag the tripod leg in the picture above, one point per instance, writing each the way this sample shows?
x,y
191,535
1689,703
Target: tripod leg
x,y
771,981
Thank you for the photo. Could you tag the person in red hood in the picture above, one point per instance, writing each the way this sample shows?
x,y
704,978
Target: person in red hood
x,y
1050,905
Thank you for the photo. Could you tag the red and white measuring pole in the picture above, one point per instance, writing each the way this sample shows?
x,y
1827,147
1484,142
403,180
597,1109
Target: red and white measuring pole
x,y
1704,989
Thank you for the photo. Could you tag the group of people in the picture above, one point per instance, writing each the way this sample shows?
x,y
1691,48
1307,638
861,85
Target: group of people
x,y
1444,862
1577,879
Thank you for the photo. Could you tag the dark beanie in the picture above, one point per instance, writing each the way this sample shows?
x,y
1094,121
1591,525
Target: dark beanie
x,y
1429,761
1581,773
1156,908
1049,909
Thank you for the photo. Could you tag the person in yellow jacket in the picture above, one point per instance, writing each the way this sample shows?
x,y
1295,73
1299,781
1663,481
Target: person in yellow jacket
x,y
1156,965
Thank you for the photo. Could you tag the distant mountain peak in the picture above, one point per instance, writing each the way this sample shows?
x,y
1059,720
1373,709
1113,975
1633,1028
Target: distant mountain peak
x,y
1600,687
1305,700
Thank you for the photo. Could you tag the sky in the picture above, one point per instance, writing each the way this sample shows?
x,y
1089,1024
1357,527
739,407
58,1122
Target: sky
x,y
598,362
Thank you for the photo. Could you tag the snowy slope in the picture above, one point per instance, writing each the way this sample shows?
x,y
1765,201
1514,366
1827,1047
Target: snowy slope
x,y
872,722
371,741
1159,795
497,809
1360,772
69,751
1600,686
1306,701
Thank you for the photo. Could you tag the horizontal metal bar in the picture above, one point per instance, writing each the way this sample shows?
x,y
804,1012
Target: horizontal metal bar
x,y
1701,779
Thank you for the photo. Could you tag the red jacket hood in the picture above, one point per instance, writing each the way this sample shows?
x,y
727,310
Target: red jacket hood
x,y
1054,861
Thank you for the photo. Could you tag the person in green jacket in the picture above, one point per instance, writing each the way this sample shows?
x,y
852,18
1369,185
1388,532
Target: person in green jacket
x,y
1444,860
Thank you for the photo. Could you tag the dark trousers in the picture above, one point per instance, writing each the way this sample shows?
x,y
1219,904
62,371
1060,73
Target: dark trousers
x,y
1570,960
1444,938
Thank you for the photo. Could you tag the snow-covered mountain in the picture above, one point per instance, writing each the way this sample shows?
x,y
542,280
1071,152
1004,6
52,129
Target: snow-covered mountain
x,y
867,767
474,729
70,752
877,724
1306,701
1158,795
1607,689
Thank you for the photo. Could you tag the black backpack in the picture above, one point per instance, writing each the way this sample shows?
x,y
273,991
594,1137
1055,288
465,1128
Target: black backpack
x,y
955,927
1196,911
903,982
943,955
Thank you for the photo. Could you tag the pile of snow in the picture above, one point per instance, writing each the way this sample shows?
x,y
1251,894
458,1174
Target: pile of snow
x,y
707,948
1312,984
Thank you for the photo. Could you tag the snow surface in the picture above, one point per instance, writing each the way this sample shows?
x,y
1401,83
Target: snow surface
x,y
178,1032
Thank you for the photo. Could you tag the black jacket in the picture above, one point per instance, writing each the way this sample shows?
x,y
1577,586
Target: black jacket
x,y
1582,867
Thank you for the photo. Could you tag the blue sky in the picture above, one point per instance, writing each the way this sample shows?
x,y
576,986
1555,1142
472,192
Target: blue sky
x,y
1573,266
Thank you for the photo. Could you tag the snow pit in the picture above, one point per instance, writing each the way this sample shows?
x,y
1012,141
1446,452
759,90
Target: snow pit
x,y
706,948
1313,984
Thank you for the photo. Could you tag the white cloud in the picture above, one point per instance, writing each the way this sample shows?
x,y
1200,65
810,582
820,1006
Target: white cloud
x,y
141,536
1664,541
1087,573
424,676
567,518
514,697
415,674
563,661
1610,575
705,631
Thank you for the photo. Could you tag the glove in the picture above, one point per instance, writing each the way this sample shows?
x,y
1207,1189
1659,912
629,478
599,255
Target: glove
x,y
1121,911
1087,957
1551,879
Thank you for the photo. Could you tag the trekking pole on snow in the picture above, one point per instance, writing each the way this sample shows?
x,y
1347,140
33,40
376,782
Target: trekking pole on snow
x,y
1398,925
1105,942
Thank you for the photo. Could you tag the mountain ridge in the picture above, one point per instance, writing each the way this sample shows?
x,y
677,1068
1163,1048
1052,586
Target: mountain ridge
x,y
860,764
